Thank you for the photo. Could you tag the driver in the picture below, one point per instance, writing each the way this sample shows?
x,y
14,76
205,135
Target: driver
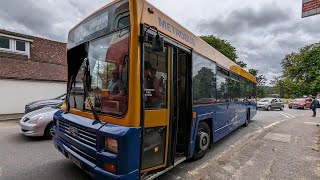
x,y
115,86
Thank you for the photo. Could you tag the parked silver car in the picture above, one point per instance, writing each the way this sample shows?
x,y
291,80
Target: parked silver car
x,y
39,122
270,104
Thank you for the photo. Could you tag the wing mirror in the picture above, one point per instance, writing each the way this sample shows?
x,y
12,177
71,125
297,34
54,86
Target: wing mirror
x,y
157,43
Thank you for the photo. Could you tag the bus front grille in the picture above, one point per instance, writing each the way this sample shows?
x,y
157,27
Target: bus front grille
x,y
82,135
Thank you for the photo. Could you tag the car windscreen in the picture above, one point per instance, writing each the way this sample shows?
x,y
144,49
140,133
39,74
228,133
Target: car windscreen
x,y
299,100
265,100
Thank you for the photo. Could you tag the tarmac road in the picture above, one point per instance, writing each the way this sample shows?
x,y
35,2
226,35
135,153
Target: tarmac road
x,y
36,158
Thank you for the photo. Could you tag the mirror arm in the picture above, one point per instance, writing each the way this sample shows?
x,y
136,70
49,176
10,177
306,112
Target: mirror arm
x,y
142,38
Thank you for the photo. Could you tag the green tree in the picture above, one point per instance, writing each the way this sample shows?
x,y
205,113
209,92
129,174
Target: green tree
x,y
222,46
301,72
241,64
204,84
261,81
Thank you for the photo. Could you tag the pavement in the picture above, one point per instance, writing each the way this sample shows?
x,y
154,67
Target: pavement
x,y
288,150
11,117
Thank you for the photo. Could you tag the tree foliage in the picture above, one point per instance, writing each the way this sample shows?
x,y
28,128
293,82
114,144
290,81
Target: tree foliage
x,y
222,46
261,81
241,64
301,73
205,83
229,51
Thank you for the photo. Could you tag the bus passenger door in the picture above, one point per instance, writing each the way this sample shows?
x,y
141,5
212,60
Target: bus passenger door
x,y
156,113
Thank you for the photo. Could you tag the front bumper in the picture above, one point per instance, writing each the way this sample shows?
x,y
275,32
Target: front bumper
x,y
91,156
262,106
32,129
296,106
90,168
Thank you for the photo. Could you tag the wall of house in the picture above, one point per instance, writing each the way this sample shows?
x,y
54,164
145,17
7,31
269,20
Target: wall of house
x,y
15,94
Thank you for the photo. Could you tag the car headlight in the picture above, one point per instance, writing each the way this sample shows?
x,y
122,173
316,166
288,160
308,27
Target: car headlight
x,y
35,120
111,145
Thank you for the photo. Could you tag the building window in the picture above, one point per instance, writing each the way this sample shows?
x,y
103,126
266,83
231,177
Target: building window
x,y
4,43
20,46
15,45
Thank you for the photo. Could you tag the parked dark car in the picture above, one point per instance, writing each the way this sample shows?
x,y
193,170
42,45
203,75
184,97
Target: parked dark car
x,y
44,103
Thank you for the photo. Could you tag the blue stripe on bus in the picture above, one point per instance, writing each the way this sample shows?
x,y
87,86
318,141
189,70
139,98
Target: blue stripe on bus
x,y
225,118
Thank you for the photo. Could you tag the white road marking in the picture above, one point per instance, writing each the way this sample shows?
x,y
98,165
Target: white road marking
x,y
288,116
310,123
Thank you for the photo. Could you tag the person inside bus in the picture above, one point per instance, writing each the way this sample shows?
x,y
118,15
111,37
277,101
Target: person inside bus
x,y
115,86
154,85
146,82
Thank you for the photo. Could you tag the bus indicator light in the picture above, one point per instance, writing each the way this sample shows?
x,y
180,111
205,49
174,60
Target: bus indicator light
x,y
109,167
194,115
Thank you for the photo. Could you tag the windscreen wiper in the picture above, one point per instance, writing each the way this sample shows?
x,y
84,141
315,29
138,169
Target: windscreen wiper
x,y
87,87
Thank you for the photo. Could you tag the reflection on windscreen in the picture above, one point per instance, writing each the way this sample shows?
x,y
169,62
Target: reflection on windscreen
x,y
108,62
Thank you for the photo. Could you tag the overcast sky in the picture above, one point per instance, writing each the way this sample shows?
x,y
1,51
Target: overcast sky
x,y
262,31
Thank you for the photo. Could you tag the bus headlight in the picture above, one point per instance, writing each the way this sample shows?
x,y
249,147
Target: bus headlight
x,y
111,145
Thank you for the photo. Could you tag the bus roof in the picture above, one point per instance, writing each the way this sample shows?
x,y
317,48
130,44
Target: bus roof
x,y
151,16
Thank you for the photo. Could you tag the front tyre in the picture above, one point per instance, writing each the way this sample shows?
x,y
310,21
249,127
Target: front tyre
x,y
269,108
282,108
202,141
49,132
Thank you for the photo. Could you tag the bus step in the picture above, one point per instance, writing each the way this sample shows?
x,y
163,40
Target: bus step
x,y
157,174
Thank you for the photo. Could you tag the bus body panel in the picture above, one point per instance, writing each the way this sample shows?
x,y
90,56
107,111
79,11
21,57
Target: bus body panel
x,y
225,118
92,158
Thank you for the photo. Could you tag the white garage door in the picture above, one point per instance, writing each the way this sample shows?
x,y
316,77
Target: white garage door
x,y
15,94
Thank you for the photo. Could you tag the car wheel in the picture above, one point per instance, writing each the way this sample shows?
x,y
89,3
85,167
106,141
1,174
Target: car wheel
x,y
269,108
202,141
290,107
282,108
49,132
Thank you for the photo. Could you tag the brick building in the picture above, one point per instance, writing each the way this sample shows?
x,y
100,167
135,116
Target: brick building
x,y
31,68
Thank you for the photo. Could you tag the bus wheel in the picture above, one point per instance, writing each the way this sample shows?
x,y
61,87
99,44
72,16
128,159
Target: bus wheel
x,y
202,141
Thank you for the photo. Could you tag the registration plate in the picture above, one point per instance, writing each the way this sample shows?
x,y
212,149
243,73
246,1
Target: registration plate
x,y
74,160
